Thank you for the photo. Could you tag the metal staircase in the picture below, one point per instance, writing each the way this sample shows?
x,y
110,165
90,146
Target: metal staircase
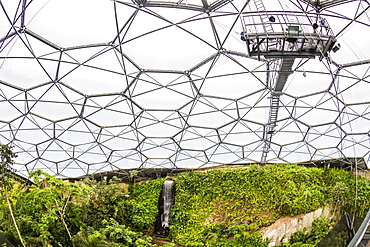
x,y
264,17
269,129
266,23
283,74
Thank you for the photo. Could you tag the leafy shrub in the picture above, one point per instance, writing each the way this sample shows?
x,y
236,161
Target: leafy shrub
x,y
92,213
256,196
90,237
320,227
142,205
122,234
299,199
223,207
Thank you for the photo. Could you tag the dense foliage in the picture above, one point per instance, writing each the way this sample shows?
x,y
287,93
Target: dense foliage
x,y
55,213
223,207
256,197
304,238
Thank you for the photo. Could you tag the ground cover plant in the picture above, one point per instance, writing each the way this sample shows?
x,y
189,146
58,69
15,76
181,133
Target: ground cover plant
x,y
304,238
209,204
221,207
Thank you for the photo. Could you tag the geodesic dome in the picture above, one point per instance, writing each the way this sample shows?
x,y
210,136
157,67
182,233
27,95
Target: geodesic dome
x,y
95,86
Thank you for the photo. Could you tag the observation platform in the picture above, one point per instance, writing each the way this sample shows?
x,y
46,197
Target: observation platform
x,y
282,37
287,34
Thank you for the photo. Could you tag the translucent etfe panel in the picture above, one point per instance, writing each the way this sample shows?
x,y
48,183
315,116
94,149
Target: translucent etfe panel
x,y
193,138
356,71
13,74
334,14
83,21
108,58
317,109
117,143
26,152
362,109
228,107
196,23
160,91
52,102
70,168
86,55
159,130
32,54
324,136
289,131
255,107
101,167
75,131
161,98
352,48
296,152
55,150
8,111
44,165
8,15
158,147
19,67
223,24
157,163
237,133
30,129
113,110
253,152
94,81
179,50
353,90
234,83
158,127
92,153
190,159
5,133
210,117
355,119
221,153
127,159
308,82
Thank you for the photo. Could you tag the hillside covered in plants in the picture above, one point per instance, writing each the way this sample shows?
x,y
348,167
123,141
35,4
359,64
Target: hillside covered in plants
x,y
227,207
221,207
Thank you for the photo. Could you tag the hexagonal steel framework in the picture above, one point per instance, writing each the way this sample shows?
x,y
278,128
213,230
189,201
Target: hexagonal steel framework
x,y
96,86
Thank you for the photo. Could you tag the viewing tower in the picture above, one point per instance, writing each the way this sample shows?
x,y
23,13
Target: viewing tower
x,y
281,37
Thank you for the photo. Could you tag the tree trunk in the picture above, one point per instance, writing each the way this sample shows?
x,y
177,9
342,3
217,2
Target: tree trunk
x,y
12,215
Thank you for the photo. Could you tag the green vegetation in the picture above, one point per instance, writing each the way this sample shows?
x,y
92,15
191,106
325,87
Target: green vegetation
x,y
304,238
256,197
222,207
55,213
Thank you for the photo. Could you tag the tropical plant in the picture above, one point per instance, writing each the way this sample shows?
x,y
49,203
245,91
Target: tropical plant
x,y
221,207
257,196
309,238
